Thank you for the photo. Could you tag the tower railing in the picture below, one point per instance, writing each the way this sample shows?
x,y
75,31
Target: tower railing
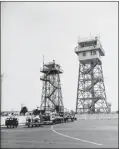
x,y
94,47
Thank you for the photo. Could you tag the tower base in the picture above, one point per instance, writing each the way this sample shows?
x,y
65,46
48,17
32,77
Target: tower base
x,y
91,96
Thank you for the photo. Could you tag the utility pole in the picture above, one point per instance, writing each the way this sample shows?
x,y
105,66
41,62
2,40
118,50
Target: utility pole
x,y
3,76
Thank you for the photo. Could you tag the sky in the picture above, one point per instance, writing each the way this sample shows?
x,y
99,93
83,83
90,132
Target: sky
x,y
30,30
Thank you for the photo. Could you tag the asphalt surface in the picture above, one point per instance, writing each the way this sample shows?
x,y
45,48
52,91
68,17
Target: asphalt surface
x,y
78,134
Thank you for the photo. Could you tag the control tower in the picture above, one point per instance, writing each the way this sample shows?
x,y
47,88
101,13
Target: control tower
x,y
91,96
51,99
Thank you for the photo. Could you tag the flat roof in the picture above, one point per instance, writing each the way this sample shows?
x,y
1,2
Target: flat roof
x,y
87,39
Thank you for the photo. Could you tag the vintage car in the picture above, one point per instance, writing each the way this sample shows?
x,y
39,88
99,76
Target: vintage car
x,y
11,122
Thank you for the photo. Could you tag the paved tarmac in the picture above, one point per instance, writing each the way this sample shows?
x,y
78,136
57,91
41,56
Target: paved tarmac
x,y
78,134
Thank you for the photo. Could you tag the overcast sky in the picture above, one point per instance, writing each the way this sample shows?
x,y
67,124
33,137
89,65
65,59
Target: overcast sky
x,y
30,30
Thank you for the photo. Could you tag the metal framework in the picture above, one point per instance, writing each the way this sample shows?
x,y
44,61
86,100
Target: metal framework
x,y
91,95
51,99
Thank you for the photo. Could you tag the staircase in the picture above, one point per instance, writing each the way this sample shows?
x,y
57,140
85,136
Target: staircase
x,y
86,71
45,78
88,88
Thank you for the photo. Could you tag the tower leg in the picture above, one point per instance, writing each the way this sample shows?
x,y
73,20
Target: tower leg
x,y
77,90
92,87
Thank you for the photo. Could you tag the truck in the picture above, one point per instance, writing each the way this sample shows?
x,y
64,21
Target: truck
x,y
56,118
33,121
11,122
49,118
69,117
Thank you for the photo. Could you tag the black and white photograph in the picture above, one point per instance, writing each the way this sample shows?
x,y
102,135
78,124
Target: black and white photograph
x,y
59,74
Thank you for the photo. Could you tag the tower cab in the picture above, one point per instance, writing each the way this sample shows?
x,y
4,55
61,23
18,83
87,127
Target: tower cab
x,y
89,49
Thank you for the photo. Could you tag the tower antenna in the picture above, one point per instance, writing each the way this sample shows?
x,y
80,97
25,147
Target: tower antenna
x,y
43,60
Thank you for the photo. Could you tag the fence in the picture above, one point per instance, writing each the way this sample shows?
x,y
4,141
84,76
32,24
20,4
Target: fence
x,y
96,116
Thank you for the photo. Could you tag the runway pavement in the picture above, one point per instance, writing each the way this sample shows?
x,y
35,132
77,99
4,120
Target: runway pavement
x,y
78,134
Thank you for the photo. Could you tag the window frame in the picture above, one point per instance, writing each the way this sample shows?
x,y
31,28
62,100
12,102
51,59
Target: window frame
x,y
94,52
84,53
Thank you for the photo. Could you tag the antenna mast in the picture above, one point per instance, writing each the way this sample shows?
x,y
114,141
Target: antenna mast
x,y
43,60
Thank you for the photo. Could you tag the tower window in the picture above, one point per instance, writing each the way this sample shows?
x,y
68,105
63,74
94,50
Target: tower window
x,y
94,52
84,53
91,52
